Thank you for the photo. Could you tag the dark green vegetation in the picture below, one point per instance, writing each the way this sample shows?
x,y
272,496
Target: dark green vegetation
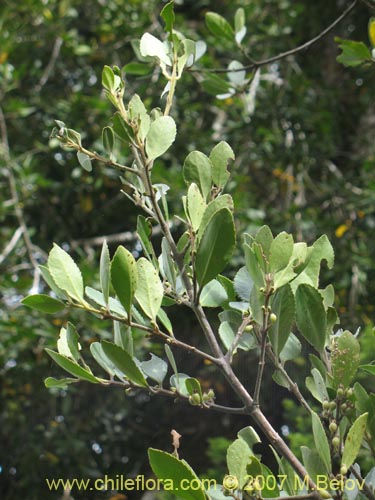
x,y
304,163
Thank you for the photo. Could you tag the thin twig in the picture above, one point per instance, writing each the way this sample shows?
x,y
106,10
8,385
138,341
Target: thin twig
x,y
229,355
51,64
16,200
11,244
283,55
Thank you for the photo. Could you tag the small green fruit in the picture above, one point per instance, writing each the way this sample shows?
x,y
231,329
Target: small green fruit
x,y
343,470
249,328
336,442
333,427
326,405
273,318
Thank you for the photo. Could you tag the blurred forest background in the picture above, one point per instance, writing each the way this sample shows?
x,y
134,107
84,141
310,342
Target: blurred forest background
x,y
305,150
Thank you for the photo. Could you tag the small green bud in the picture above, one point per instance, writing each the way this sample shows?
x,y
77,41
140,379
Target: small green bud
x,y
249,328
343,470
273,318
195,399
211,394
343,408
332,405
333,427
336,442
349,392
326,405
340,392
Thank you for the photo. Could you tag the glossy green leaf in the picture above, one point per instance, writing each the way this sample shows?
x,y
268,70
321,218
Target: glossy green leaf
x,y
124,277
72,367
215,247
321,442
220,156
311,316
224,201
345,358
353,440
124,362
195,205
121,129
156,368
43,303
283,306
167,14
219,26
149,293
65,273
108,78
105,263
194,387
198,169
176,475
160,137
84,161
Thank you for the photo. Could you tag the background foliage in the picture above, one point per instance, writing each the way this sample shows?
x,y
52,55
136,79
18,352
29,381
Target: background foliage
x,y
304,163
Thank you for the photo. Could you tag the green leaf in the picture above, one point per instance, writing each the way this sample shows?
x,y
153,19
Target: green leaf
x,y
139,116
137,68
167,15
291,350
213,294
198,169
62,383
353,53
321,442
311,316
368,368
124,362
283,306
243,284
253,266
156,368
72,367
65,273
238,458
176,475
165,321
316,385
280,251
194,387
160,137
151,46
345,358
113,304
321,250
144,231
43,303
105,263
215,85
239,24
314,464
271,489
264,237
124,277
195,205
353,441
97,352
122,130
219,26
219,156
149,293
215,246
224,201
123,337
49,280
108,78
84,161
72,339
108,139
250,436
